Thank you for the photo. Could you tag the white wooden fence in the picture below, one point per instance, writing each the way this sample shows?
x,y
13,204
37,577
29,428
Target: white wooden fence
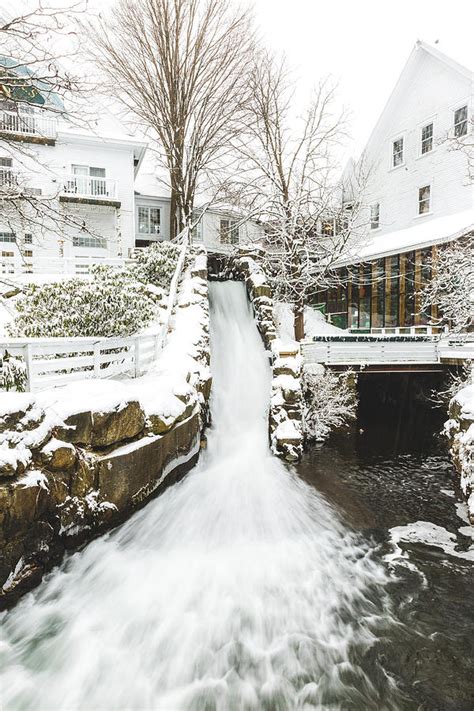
x,y
361,350
56,361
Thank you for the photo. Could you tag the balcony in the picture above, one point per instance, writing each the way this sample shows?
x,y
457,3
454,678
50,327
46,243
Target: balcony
x,y
31,127
89,190
8,179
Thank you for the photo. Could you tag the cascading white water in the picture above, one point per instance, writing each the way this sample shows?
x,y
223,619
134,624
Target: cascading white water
x,y
238,588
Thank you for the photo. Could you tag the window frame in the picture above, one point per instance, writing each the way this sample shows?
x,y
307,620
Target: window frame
x,y
400,137
464,121
149,223
424,140
89,242
424,200
372,222
233,226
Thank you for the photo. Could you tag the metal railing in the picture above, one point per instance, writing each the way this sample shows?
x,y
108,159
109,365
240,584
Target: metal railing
x,y
34,123
50,362
89,186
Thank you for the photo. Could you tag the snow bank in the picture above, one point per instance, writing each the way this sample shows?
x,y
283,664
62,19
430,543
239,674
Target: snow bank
x,y
315,323
460,431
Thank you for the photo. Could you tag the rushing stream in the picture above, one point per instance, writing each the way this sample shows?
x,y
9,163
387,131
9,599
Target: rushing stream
x,y
242,587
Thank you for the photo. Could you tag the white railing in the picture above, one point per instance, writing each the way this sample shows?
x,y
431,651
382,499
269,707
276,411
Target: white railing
x,y
88,186
55,361
367,350
28,124
8,177
400,331
18,264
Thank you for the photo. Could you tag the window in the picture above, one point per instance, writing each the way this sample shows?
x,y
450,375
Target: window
x,y
196,232
89,241
88,170
149,220
427,138
424,199
28,238
460,122
7,176
28,253
375,216
7,254
7,237
229,231
327,228
397,152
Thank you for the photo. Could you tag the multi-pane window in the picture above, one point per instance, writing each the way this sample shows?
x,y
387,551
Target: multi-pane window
x,y
6,174
229,231
424,199
28,238
28,253
196,232
7,237
375,216
460,122
397,152
149,220
89,241
427,138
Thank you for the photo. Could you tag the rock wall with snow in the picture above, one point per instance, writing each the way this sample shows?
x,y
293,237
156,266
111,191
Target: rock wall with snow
x,y
77,460
460,431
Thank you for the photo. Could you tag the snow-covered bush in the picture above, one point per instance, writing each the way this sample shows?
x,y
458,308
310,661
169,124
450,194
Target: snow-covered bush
x,y
156,264
111,303
12,373
329,401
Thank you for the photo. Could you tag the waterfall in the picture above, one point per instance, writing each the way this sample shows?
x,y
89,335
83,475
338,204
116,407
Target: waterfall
x,y
238,588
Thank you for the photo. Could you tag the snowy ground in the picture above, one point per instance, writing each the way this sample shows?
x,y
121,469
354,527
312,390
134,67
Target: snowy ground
x,y
315,323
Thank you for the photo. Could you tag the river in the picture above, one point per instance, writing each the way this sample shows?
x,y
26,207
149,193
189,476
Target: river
x,y
252,586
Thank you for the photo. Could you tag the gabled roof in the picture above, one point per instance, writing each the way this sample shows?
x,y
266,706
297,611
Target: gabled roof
x,y
421,47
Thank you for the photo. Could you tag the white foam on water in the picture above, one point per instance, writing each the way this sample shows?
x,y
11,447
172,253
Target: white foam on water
x,y
238,588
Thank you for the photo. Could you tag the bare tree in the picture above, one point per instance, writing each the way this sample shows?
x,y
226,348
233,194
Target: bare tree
x,y
179,68
37,47
451,288
292,183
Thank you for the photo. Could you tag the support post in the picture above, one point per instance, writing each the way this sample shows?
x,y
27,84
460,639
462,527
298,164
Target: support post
x,y
97,359
29,367
137,356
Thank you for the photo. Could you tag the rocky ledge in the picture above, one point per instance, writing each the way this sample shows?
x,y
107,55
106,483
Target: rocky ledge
x,y
460,432
77,460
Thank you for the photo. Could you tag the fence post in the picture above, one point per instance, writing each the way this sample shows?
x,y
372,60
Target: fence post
x,y
137,356
29,368
97,359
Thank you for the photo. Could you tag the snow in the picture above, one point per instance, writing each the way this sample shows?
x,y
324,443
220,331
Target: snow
x,y
34,477
465,398
11,402
287,430
315,323
428,534
54,444
425,233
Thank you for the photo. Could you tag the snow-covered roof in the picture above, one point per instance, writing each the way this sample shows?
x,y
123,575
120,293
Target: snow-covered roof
x,y
425,234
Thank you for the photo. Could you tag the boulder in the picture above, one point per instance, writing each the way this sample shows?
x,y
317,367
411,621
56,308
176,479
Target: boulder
x,y
77,429
58,455
121,424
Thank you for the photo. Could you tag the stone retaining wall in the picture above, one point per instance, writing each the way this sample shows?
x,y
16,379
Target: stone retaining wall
x,y
64,480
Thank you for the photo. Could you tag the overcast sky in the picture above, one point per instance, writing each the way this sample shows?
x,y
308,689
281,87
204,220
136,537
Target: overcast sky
x,y
364,44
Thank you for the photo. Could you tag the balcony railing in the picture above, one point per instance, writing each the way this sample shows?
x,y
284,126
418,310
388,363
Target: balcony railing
x,y
8,178
34,124
90,187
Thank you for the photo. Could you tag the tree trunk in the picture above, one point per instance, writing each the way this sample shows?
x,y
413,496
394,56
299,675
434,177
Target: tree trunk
x,y
173,215
298,312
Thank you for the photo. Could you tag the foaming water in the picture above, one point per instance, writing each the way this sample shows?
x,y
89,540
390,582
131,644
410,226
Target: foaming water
x,y
238,588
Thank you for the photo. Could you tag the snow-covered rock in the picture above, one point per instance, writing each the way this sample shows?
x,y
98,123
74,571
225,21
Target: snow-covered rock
x,y
460,431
